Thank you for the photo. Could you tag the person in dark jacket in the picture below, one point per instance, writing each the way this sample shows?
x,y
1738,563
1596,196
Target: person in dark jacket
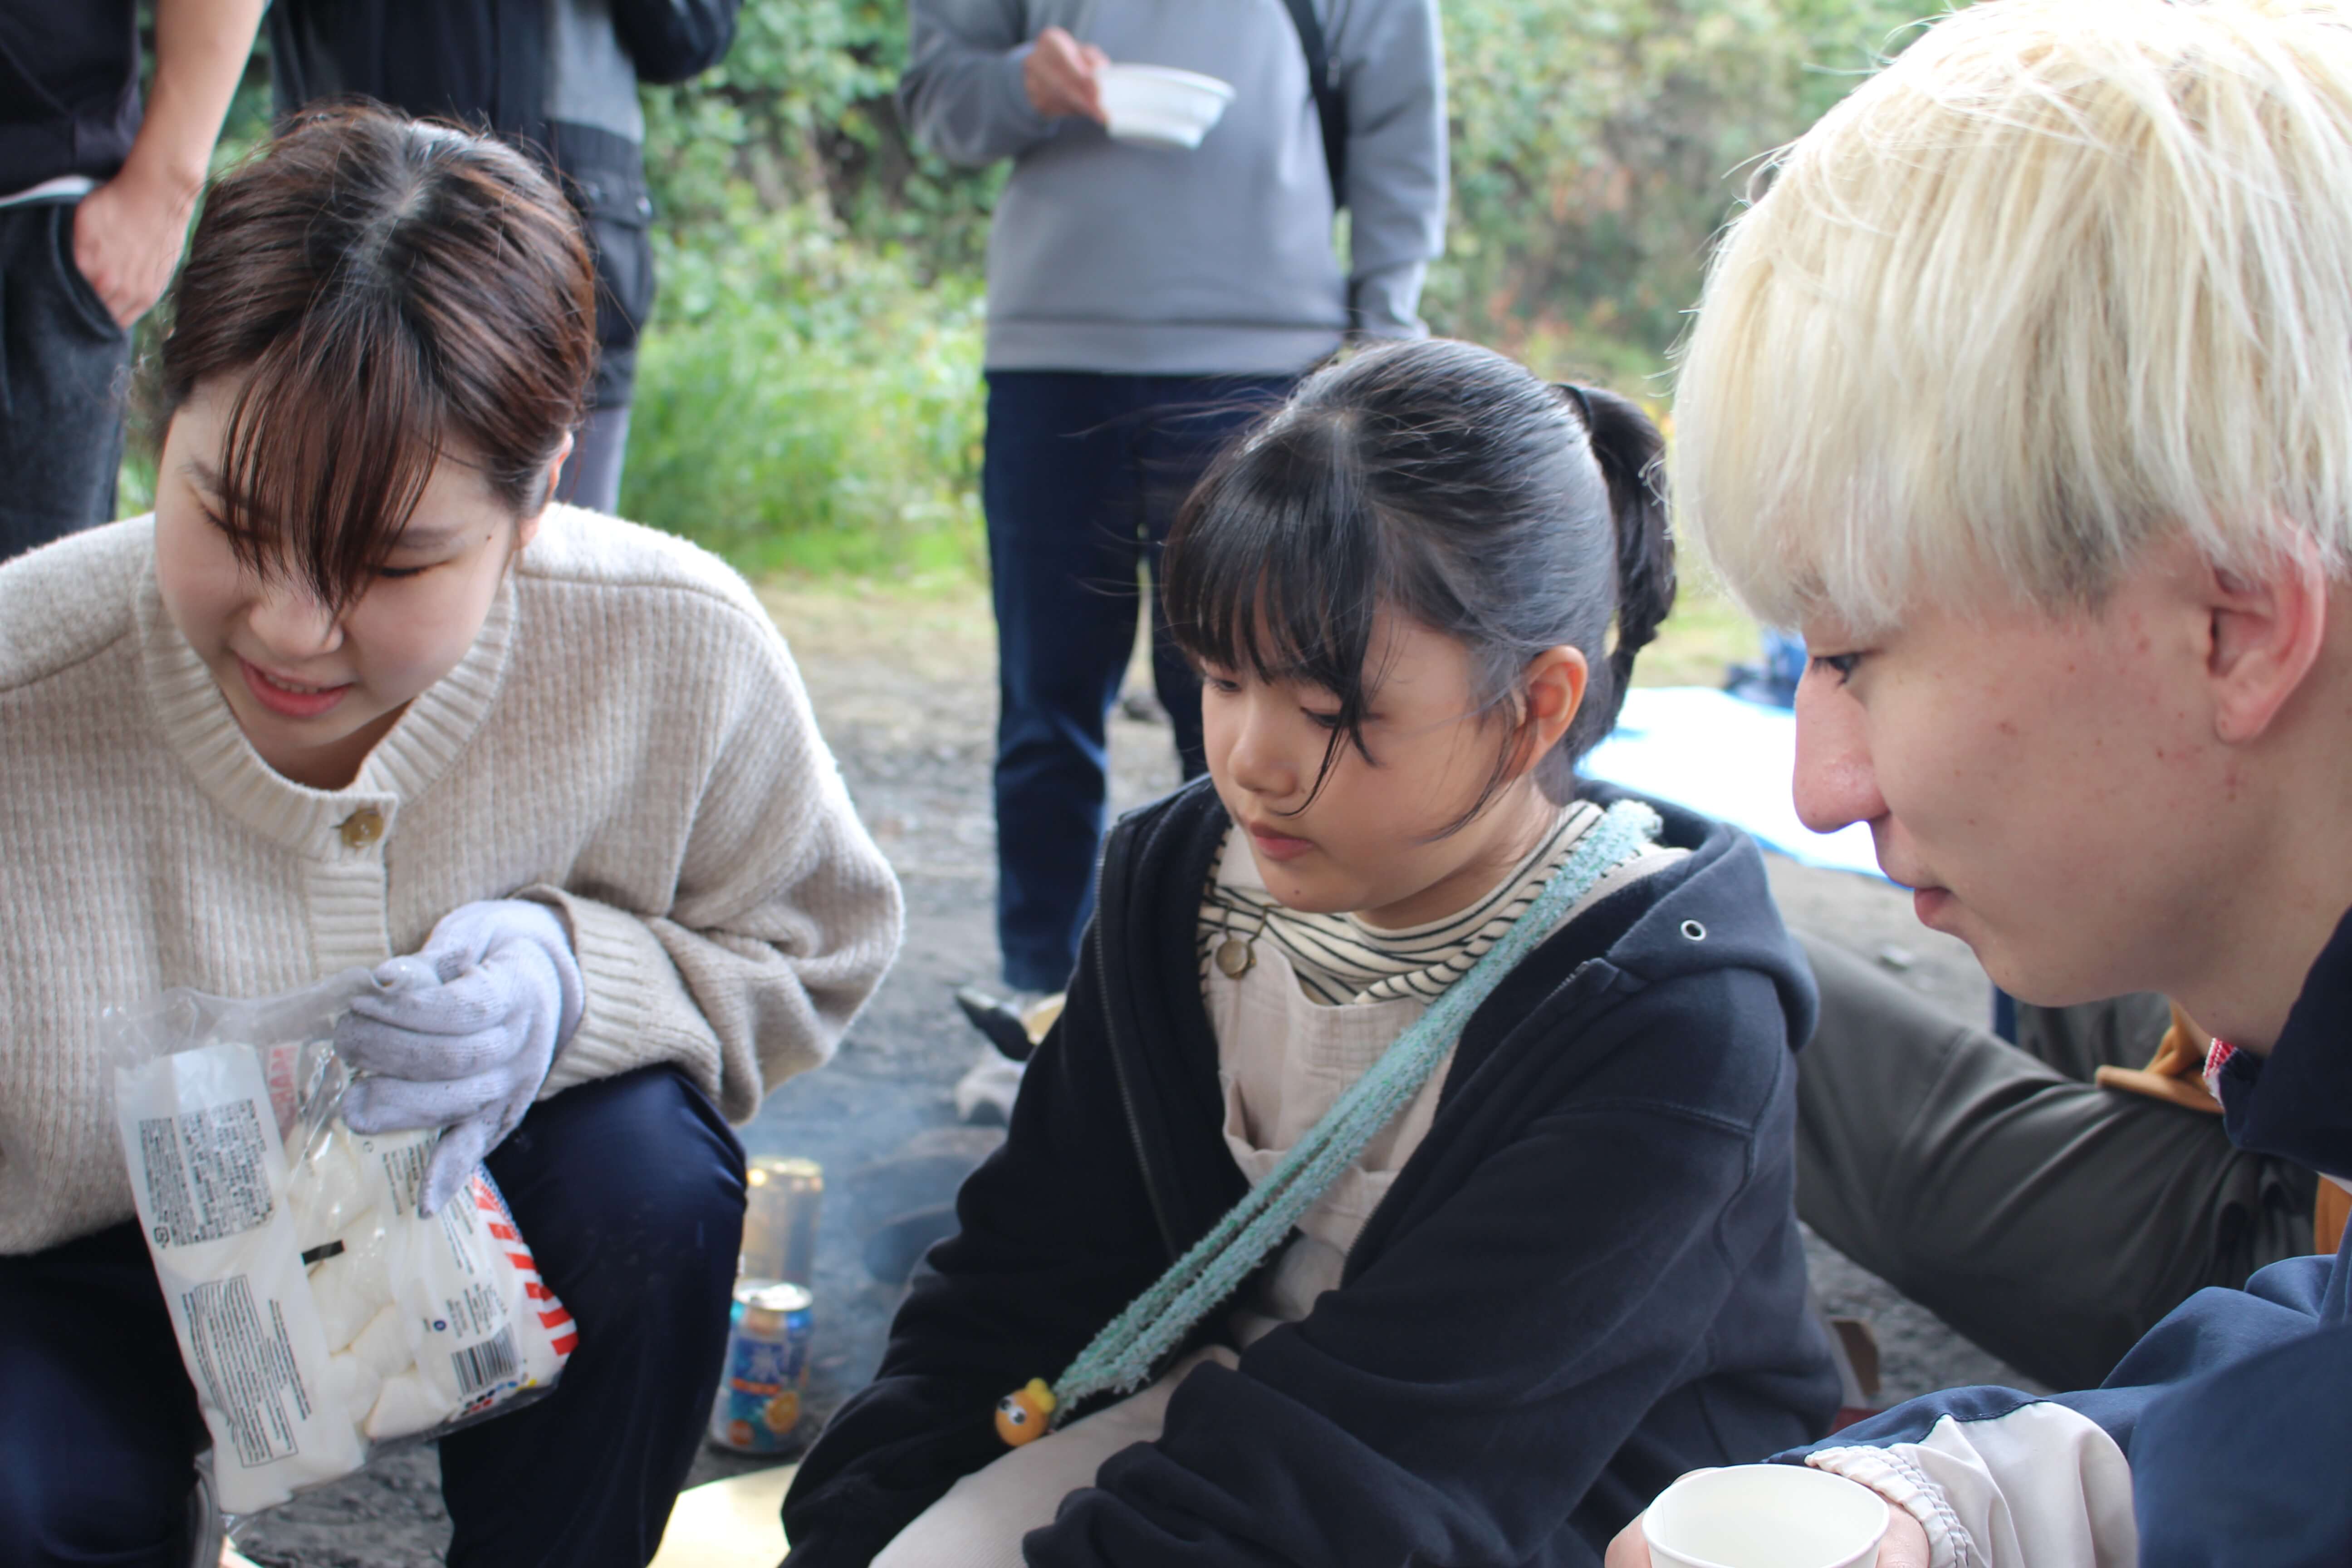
x,y
2025,391
94,203
558,77
1558,1265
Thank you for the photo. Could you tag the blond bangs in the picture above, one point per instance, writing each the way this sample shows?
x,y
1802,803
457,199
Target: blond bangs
x,y
2068,277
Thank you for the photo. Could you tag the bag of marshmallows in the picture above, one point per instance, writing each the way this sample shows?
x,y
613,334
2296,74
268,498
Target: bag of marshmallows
x,y
318,1314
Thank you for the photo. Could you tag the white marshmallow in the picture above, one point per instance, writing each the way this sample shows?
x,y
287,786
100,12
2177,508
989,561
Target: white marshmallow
x,y
354,1384
384,1344
406,1405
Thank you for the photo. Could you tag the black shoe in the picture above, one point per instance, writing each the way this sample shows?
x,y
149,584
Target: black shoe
x,y
999,1020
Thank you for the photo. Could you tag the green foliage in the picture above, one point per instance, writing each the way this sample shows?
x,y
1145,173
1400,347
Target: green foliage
x,y
802,111
807,403
1595,151
808,392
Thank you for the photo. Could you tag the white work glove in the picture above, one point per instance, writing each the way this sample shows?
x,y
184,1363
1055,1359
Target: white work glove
x,y
461,1035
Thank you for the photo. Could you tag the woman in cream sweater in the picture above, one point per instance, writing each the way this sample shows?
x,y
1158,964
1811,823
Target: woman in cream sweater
x,y
357,690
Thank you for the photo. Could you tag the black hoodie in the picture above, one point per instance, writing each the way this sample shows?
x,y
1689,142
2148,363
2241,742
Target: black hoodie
x,y
69,90
1585,1282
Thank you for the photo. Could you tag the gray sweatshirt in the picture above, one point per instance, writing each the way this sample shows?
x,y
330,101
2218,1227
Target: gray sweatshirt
x,y
1107,257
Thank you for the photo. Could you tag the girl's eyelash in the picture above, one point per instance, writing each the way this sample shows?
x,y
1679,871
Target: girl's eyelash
x,y
1226,685
1840,664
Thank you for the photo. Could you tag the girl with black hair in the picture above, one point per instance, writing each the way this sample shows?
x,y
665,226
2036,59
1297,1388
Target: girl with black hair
x,y
1409,1176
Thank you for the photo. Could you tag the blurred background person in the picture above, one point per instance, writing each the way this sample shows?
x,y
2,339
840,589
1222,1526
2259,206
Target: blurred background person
x,y
2052,1196
94,203
558,77
1143,303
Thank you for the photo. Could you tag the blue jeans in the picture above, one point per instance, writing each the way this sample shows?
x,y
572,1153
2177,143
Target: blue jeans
x,y
1083,473
630,1191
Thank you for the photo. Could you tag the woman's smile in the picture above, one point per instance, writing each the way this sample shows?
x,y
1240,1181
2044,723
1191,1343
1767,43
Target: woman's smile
x,y
288,698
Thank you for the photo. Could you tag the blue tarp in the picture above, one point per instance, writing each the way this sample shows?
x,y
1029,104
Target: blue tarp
x,y
1728,759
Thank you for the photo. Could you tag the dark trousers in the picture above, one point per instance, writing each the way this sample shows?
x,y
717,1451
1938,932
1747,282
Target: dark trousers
x,y
631,1194
64,371
591,477
1084,474
2051,1221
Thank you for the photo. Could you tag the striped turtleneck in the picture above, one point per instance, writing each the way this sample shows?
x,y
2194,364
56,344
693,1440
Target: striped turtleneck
x,y
1343,959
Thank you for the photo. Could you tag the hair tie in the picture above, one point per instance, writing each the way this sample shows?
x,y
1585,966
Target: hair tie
x,y
1583,404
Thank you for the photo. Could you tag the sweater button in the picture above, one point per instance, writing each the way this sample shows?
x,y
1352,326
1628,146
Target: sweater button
x,y
362,827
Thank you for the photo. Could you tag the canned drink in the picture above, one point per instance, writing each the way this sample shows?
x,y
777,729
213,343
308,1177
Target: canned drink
x,y
767,1368
780,1220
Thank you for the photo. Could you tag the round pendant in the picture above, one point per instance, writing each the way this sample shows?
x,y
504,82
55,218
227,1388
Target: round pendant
x,y
1234,956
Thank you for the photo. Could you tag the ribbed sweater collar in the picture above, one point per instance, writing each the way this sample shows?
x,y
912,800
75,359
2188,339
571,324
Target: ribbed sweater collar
x,y
196,720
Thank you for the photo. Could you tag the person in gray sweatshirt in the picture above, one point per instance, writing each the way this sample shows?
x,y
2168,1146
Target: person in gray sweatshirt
x,y
1143,304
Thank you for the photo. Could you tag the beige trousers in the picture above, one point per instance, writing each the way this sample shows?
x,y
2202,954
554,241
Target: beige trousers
x,y
981,1520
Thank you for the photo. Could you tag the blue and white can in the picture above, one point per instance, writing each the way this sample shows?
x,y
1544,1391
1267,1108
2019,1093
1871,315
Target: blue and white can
x,y
767,1368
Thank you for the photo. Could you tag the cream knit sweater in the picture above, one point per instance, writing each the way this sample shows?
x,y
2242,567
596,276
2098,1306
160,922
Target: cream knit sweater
x,y
627,739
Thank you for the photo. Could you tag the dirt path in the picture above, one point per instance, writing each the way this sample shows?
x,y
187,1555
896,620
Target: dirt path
x,y
904,686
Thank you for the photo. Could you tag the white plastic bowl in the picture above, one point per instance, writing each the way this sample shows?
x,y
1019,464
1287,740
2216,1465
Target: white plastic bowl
x,y
1764,1516
1158,105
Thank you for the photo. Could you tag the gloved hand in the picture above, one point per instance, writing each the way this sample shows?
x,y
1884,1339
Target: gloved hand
x,y
461,1035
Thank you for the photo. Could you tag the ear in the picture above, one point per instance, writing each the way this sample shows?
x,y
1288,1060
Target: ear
x,y
527,526
1553,689
2267,634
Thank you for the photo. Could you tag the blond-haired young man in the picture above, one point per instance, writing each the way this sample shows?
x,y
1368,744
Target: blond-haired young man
x,y
2026,392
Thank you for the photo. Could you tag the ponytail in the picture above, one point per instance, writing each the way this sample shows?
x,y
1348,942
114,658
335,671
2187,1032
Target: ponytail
x,y
1630,453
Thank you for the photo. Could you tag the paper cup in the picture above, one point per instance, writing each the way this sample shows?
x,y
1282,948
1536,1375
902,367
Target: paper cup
x,y
1764,1516
1156,106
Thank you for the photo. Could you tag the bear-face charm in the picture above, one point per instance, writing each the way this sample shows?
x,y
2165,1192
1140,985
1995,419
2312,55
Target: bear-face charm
x,y
1025,1415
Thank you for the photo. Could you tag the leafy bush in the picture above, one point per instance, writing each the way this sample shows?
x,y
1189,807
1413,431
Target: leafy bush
x,y
1598,147
809,393
801,111
807,402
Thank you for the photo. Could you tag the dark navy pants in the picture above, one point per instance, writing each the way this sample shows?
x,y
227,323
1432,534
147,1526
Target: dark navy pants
x,y
631,1194
1083,475
63,369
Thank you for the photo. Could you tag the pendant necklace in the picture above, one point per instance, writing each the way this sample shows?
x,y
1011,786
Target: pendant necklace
x,y
1236,954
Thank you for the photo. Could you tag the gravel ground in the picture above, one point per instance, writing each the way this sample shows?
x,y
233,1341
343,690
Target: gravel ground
x,y
904,688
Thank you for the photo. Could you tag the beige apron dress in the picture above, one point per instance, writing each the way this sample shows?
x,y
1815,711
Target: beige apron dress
x,y
1282,1060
